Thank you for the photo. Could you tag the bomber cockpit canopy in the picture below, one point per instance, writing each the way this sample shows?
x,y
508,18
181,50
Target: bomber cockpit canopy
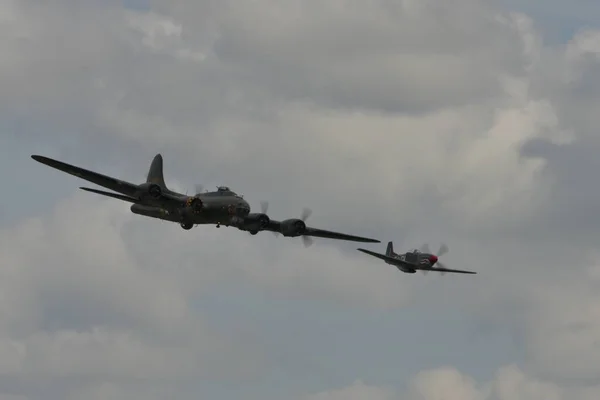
x,y
225,191
222,191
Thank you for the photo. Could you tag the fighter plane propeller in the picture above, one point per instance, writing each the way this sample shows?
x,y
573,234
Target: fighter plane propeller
x,y
435,258
221,207
416,260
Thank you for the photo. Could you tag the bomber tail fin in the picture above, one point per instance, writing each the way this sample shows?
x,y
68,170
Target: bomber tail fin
x,y
155,173
390,249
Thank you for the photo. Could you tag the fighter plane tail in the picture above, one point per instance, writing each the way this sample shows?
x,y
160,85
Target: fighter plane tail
x,y
390,249
155,173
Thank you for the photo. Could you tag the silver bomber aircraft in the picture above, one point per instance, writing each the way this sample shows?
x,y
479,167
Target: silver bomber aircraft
x,y
415,260
222,207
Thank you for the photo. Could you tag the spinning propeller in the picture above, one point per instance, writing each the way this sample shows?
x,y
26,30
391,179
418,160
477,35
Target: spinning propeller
x,y
264,206
307,240
434,257
306,212
197,189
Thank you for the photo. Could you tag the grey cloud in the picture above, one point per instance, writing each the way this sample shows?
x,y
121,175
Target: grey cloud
x,y
338,56
447,121
77,309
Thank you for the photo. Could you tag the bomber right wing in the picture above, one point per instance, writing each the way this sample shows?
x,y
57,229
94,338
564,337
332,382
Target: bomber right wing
x,y
337,235
276,226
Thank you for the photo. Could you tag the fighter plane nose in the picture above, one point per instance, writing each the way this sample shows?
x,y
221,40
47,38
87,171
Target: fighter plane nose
x,y
433,259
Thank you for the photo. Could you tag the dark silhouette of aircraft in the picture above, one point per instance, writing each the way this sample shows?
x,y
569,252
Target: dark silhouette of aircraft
x,y
221,207
415,260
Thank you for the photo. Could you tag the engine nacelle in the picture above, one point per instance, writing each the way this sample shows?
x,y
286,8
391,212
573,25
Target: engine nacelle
x,y
150,189
256,222
293,227
193,206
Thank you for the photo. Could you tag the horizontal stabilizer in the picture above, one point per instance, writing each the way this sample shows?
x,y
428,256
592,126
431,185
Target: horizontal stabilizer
x,y
378,255
109,194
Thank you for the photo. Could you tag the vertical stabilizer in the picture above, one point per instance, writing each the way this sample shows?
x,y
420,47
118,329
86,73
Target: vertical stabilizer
x,y
155,173
390,249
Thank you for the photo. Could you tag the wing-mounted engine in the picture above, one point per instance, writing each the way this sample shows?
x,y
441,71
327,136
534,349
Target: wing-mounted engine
x,y
252,223
293,227
297,227
193,206
149,189
256,222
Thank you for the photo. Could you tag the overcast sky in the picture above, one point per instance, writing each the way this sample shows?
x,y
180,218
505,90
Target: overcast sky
x,y
465,122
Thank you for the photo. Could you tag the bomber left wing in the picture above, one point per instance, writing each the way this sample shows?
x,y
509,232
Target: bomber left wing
x,y
130,191
397,261
119,186
297,227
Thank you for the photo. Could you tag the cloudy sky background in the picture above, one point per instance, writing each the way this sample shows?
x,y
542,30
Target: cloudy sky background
x,y
466,122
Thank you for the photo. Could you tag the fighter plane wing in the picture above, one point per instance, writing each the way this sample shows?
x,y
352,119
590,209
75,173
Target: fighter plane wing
x,y
444,270
119,186
416,267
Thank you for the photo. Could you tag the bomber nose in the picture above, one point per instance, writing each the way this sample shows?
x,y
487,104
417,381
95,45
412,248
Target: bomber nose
x,y
433,259
244,206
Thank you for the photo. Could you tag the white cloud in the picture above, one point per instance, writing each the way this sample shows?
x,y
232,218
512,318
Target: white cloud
x,y
163,35
510,383
77,302
563,329
445,383
112,391
357,391
469,155
587,42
